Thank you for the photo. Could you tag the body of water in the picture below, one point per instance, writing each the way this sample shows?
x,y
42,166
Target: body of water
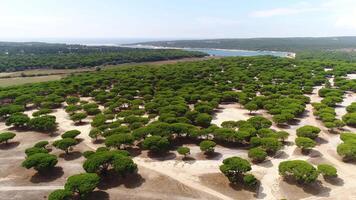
x,y
223,52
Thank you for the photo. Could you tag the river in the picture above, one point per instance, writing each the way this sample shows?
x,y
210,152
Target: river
x,y
222,52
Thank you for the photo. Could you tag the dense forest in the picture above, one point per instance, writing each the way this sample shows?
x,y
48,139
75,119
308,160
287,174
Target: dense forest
x,y
268,44
332,55
22,56
327,48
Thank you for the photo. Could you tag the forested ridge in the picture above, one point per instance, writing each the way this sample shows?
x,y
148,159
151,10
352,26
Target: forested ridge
x,y
32,55
268,44
323,48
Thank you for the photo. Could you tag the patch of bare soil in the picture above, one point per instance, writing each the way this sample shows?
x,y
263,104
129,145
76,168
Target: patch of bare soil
x,y
294,191
148,185
220,183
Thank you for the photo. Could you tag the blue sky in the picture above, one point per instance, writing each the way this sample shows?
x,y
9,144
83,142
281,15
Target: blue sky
x,y
175,18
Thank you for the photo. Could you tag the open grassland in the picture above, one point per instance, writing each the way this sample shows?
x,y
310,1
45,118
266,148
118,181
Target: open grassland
x,y
4,82
42,75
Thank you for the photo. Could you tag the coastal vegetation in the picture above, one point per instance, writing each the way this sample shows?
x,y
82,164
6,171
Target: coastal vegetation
x,y
23,56
135,115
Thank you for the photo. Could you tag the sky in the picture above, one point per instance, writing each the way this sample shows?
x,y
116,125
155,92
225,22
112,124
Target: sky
x,y
175,19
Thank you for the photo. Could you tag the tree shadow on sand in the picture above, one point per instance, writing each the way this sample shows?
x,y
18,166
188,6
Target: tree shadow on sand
x,y
98,141
98,195
313,153
10,145
242,187
80,123
281,155
111,180
283,126
79,140
208,156
320,141
294,122
265,164
162,156
47,176
337,181
188,159
213,156
316,188
71,156
134,151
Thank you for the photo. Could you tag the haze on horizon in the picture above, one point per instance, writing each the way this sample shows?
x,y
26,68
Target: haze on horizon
x,y
193,19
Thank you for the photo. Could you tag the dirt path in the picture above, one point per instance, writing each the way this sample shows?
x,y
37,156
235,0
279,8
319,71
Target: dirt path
x,y
184,178
29,188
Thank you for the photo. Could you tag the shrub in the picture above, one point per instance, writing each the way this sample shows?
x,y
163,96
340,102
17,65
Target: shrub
x,y
82,184
156,144
300,170
347,136
70,134
305,143
183,151
283,135
271,145
98,120
259,122
350,119
203,120
41,144
78,117
95,133
65,144
40,162
33,150
250,180
43,111
43,123
87,154
234,168
347,150
251,106
72,100
207,146
351,108
311,132
229,124
327,171
72,108
119,140
6,136
17,120
60,195
257,154
101,161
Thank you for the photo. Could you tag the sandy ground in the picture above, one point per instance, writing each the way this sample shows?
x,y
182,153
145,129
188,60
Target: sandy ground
x,y
171,177
351,76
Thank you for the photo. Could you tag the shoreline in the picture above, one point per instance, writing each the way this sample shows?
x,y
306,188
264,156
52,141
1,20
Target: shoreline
x,y
287,54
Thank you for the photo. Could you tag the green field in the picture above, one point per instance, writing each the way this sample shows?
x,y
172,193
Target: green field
x,y
4,82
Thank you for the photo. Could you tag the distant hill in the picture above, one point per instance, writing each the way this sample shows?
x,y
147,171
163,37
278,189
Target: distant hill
x,y
16,56
272,44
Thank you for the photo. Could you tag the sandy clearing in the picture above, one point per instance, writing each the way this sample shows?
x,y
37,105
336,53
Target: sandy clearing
x,y
66,124
232,112
189,173
270,180
349,98
351,76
